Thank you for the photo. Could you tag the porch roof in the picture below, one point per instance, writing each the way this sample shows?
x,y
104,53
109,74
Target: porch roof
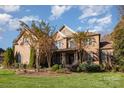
x,y
106,45
65,50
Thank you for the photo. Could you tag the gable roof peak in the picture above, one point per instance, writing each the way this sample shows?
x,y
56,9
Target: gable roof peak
x,y
65,26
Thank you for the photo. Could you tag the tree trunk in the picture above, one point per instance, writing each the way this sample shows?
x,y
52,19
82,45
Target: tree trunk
x,y
83,56
49,60
79,56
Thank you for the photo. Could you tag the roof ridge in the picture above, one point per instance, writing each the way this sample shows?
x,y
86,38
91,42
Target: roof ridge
x,y
70,29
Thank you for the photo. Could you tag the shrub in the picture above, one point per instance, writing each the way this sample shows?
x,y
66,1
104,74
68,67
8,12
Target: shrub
x,y
62,70
60,66
83,66
20,66
79,68
121,68
55,67
16,65
74,68
24,66
8,58
93,68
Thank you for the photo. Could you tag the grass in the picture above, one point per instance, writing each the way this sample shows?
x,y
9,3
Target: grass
x,y
8,79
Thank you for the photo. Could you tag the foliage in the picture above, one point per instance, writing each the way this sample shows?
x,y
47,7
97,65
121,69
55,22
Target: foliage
x,y
93,68
118,43
24,66
80,39
43,41
79,68
55,67
121,68
82,67
32,58
16,65
61,70
8,58
119,46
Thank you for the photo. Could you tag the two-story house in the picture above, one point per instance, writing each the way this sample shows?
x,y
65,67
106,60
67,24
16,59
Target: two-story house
x,y
65,51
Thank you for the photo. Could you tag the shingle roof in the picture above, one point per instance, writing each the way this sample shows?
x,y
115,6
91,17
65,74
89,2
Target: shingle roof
x,y
106,45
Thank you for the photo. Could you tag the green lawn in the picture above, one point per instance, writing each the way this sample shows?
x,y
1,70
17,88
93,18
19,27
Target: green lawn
x,y
80,80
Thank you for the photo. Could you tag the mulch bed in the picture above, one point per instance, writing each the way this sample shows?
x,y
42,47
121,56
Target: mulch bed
x,y
41,73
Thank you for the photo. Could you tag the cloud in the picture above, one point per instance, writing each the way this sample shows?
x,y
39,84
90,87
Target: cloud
x,y
79,28
92,21
10,8
29,18
90,11
8,21
105,20
57,11
96,17
100,24
4,18
101,21
14,23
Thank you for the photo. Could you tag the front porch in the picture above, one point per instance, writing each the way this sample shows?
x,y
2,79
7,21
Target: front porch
x,y
71,57
65,57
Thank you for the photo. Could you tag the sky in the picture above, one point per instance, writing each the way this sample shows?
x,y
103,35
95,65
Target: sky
x,y
100,19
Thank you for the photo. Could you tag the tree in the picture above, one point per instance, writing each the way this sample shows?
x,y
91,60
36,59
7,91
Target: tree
x,y
44,41
80,39
118,43
8,58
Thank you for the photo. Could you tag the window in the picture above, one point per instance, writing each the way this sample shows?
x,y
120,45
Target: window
x,y
25,40
88,41
71,44
58,44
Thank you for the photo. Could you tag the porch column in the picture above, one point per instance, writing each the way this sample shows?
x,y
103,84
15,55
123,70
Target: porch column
x,y
63,59
76,57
